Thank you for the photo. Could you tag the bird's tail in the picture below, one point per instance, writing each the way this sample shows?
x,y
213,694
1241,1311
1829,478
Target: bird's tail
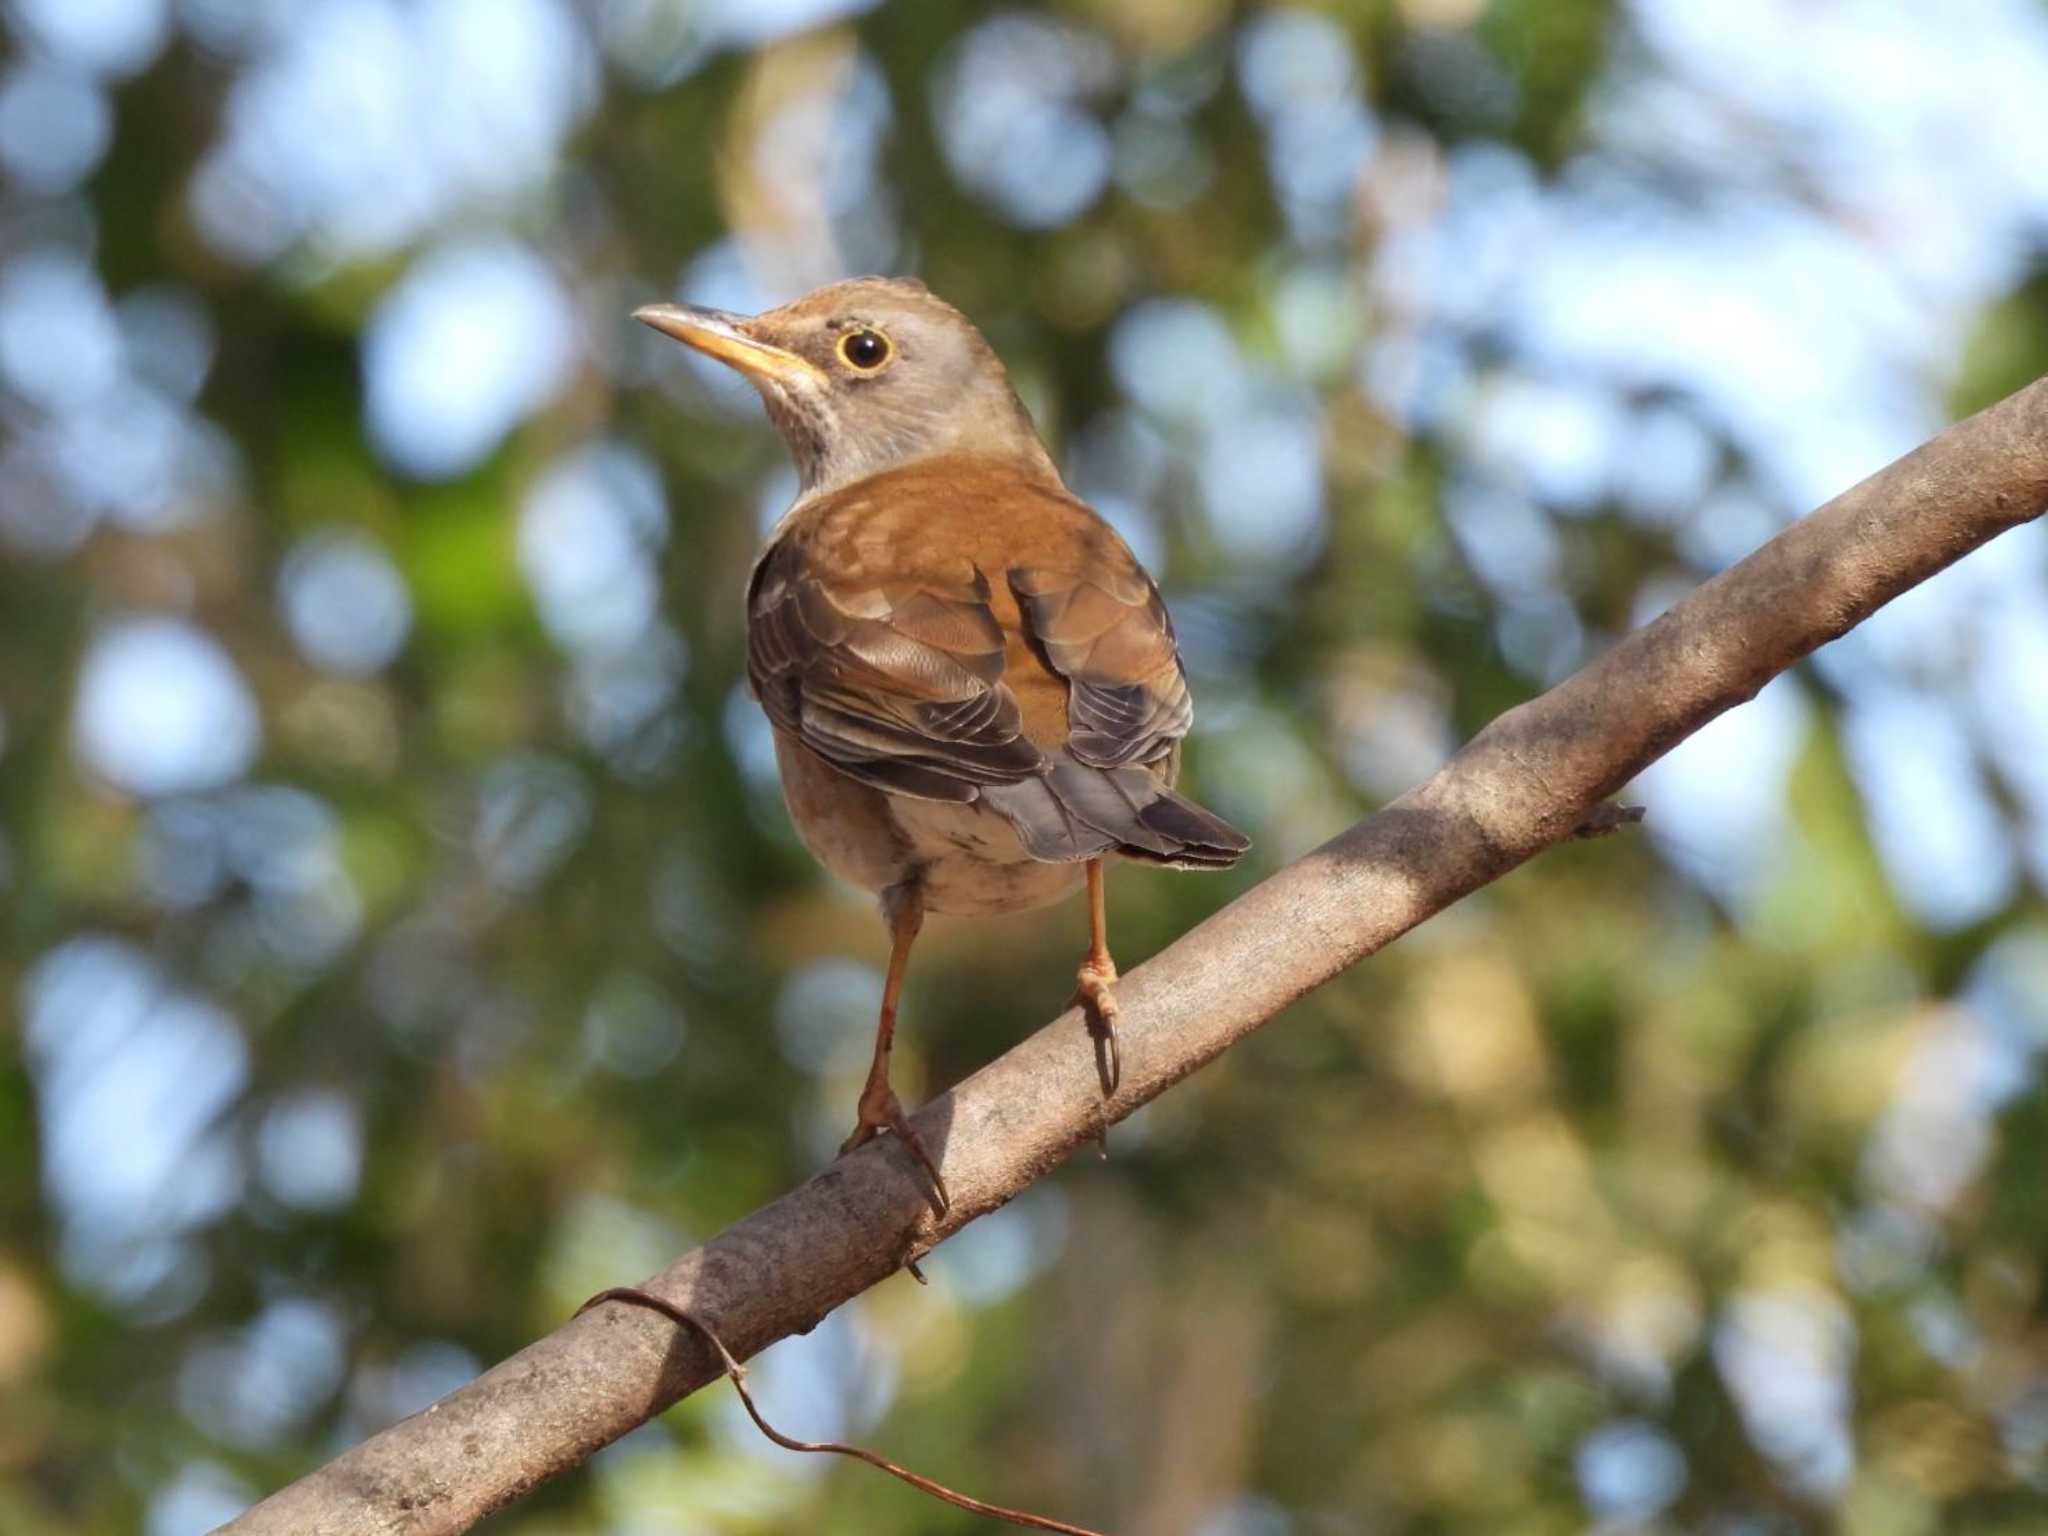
x,y
1077,812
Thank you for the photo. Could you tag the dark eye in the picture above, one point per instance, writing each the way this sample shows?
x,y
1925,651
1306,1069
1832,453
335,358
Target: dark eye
x,y
864,349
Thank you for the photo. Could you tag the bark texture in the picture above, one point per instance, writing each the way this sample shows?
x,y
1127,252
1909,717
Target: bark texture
x,y
1529,780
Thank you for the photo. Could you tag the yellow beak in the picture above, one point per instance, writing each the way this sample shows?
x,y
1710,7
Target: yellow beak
x,y
723,336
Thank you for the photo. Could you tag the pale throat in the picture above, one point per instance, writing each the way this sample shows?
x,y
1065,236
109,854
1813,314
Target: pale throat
x,y
837,441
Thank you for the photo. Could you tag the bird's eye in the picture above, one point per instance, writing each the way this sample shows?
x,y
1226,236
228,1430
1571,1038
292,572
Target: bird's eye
x,y
864,349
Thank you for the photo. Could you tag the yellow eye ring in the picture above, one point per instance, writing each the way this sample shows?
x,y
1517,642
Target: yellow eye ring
x,y
865,349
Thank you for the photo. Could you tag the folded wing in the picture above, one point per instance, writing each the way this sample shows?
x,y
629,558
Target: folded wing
x,y
899,685
1108,634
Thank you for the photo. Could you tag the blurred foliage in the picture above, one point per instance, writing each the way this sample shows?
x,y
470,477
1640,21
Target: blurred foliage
x,y
428,949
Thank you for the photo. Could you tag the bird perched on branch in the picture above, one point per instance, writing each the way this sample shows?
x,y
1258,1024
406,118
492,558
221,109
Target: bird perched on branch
x,y
975,688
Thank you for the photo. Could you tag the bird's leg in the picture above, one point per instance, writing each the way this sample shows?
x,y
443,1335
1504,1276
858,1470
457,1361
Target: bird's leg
x,y
903,910
1095,982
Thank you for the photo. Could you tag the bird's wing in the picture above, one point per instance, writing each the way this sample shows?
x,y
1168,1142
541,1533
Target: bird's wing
x,y
1107,632
898,684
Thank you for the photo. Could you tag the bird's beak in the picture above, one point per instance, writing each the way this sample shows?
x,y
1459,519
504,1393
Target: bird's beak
x,y
723,336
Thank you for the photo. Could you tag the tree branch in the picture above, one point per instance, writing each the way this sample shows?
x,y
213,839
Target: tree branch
x,y
1529,780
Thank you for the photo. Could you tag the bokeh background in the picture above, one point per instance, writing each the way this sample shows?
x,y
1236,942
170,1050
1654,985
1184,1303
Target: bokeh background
x,y
405,937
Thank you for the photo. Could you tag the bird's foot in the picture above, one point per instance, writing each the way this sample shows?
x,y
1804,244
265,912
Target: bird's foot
x,y
881,1110
1095,991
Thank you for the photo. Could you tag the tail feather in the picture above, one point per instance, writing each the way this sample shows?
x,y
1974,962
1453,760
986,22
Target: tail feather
x,y
1203,839
1075,812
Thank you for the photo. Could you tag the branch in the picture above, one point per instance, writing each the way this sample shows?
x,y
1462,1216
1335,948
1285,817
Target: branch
x,y
1529,780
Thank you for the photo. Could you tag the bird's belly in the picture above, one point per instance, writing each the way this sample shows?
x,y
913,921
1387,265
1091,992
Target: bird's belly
x,y
967,858
973,862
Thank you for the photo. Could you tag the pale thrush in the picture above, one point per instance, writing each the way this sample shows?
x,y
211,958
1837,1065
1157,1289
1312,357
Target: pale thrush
x,y
975,688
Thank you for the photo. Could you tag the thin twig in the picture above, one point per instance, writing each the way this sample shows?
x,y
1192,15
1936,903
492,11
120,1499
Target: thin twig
x,y
738,1374
1608,817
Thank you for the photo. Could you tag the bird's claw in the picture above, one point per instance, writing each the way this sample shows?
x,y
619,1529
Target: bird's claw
x,y
883,1111
1095,992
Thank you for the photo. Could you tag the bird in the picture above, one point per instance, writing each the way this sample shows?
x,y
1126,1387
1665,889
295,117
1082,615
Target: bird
x,y
976,693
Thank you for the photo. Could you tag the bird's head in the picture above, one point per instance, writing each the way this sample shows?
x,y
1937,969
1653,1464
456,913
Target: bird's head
x,y
865,375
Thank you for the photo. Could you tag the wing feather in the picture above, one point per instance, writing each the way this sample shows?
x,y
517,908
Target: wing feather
x,y
1108,634
898,685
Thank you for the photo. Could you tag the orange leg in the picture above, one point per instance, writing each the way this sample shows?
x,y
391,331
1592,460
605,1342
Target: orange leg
x,y
1095,982
903,910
